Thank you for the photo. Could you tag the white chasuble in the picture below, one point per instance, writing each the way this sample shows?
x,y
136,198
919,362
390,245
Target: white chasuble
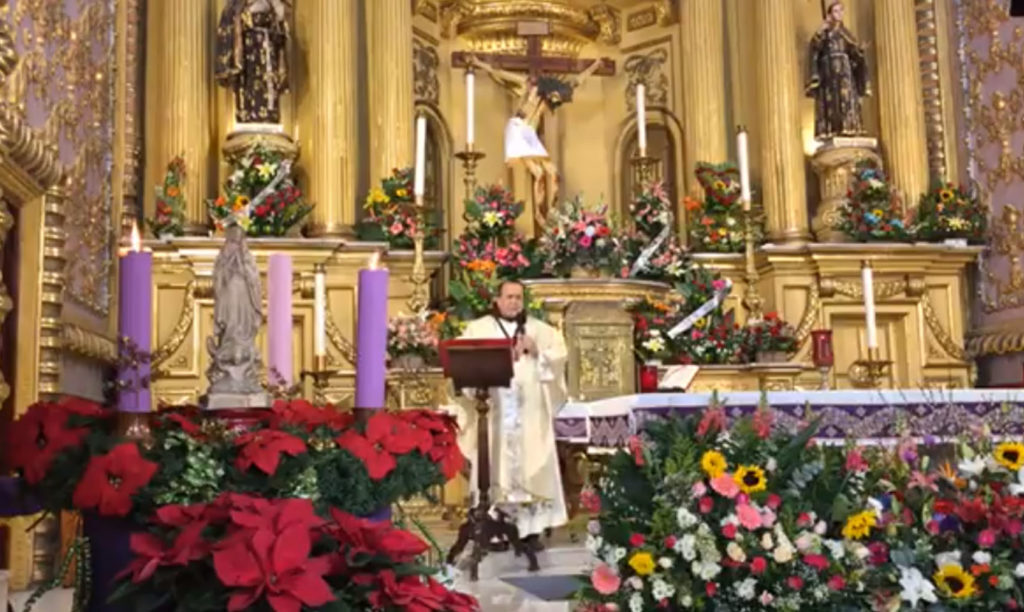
x,y
525,479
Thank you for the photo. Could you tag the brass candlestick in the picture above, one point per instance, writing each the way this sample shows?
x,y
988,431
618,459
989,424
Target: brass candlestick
x,y
420,297
470,159
752,300
868,373
321,376
645,168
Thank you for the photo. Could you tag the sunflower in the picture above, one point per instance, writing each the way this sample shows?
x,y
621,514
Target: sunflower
x,y
946,195
1010,455
750,478
858,526
718,186
713,463
642,563
954,582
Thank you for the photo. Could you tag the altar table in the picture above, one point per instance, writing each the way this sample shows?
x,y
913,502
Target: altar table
x,y
863,414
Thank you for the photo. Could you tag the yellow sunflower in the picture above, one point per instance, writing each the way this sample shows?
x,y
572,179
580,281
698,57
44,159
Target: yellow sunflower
x,y
713,463
859,525
718,186
1010,455
954,582
946,195
750,478
642,563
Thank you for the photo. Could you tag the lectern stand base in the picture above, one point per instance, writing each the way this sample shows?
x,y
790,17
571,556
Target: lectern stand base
x,y
481,528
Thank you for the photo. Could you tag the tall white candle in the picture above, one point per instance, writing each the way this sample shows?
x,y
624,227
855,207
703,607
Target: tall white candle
x,y
421,156
470,109
743,156
319,311
868,283
641,118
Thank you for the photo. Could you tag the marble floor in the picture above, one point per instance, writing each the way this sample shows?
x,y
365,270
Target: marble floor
x,y
496,595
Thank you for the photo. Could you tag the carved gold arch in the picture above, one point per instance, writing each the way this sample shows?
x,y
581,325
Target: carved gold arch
x,y
655,116
446,153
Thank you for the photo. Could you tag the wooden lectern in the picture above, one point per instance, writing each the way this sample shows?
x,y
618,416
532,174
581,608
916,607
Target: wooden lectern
x,y
481,365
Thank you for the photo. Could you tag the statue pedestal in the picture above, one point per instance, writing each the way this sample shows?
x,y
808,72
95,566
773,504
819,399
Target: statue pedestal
x,y
592,315
268,135
237,401
834,162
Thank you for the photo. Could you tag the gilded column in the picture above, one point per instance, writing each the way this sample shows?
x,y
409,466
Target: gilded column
x,y
900,99
389,53
328,111
703,65
783,180
178,118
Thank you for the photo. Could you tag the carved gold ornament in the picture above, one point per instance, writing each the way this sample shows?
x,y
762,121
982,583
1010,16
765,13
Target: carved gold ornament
x,y
649,69
490,25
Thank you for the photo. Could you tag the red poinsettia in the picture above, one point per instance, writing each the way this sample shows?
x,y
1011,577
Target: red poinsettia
x,y
151,551
386,436
263,449
447,455
363,536
423,426
39,436
274,564
177,515
300,413
110,480
409,593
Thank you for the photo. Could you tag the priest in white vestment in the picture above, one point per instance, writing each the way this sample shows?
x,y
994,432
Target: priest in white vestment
x,y
525,478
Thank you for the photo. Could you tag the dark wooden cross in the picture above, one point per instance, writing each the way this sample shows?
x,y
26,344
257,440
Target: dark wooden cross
x,y
534,62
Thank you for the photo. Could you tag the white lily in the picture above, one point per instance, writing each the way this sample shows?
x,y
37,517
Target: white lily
x,y
915,587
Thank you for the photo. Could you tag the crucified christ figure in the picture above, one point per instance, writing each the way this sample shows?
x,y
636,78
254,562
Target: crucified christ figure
x,y
533,94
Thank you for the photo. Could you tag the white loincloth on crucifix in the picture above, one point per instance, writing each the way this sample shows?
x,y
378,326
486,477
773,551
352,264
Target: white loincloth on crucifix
x,y
537,97
525,479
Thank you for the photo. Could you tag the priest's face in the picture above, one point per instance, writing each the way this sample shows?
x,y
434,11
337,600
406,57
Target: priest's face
x,y
510,300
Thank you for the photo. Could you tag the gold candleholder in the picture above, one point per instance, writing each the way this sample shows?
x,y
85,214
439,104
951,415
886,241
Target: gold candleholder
x,y
752,300
321,376
420,297
868,373
470,159
645,169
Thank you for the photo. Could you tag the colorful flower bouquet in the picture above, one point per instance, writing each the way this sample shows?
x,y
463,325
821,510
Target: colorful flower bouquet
x,y
716,224
651,320
579,241
412,341
232,499
770,336
490,234
650,253
950,212
261,196
872,212
170,202
391,214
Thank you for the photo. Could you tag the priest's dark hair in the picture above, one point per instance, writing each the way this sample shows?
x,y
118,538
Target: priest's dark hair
x,y
508,281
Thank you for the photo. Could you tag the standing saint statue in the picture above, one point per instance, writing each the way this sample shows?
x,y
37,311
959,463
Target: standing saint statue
x,y
235,365
252,57
521,141
839,77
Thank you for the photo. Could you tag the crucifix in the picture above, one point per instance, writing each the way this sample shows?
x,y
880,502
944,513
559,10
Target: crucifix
x,y
540,89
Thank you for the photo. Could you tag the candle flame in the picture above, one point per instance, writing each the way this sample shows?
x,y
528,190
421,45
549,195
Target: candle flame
x,y
374,262
136,240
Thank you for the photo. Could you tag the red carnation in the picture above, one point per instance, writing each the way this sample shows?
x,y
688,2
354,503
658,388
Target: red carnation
x,y
263,449
38,437
110,480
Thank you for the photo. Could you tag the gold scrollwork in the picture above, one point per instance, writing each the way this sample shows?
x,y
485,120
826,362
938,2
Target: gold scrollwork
x,y
426,86
181,328
89,344
338,340
469,17
803,330
648,69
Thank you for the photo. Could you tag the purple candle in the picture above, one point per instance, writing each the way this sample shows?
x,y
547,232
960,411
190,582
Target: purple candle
x,y
372,337
279,320
135,310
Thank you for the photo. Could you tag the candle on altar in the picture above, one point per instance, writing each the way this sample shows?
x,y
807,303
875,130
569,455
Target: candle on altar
x,y
743,157
470,109
641,118
134,324
279,319
868,283
319,311
372,336
421,157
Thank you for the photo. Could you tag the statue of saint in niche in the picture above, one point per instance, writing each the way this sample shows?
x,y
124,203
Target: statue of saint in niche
x,y
252,57
235,364
839,77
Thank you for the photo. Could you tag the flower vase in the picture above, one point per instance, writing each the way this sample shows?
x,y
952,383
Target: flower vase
x,y
409,361
772,357
581,272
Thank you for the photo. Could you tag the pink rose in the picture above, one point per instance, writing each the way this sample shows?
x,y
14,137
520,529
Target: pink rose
x,y
774,501
749,516
725,486
795,582
670,542
699,489
605,580
396,228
